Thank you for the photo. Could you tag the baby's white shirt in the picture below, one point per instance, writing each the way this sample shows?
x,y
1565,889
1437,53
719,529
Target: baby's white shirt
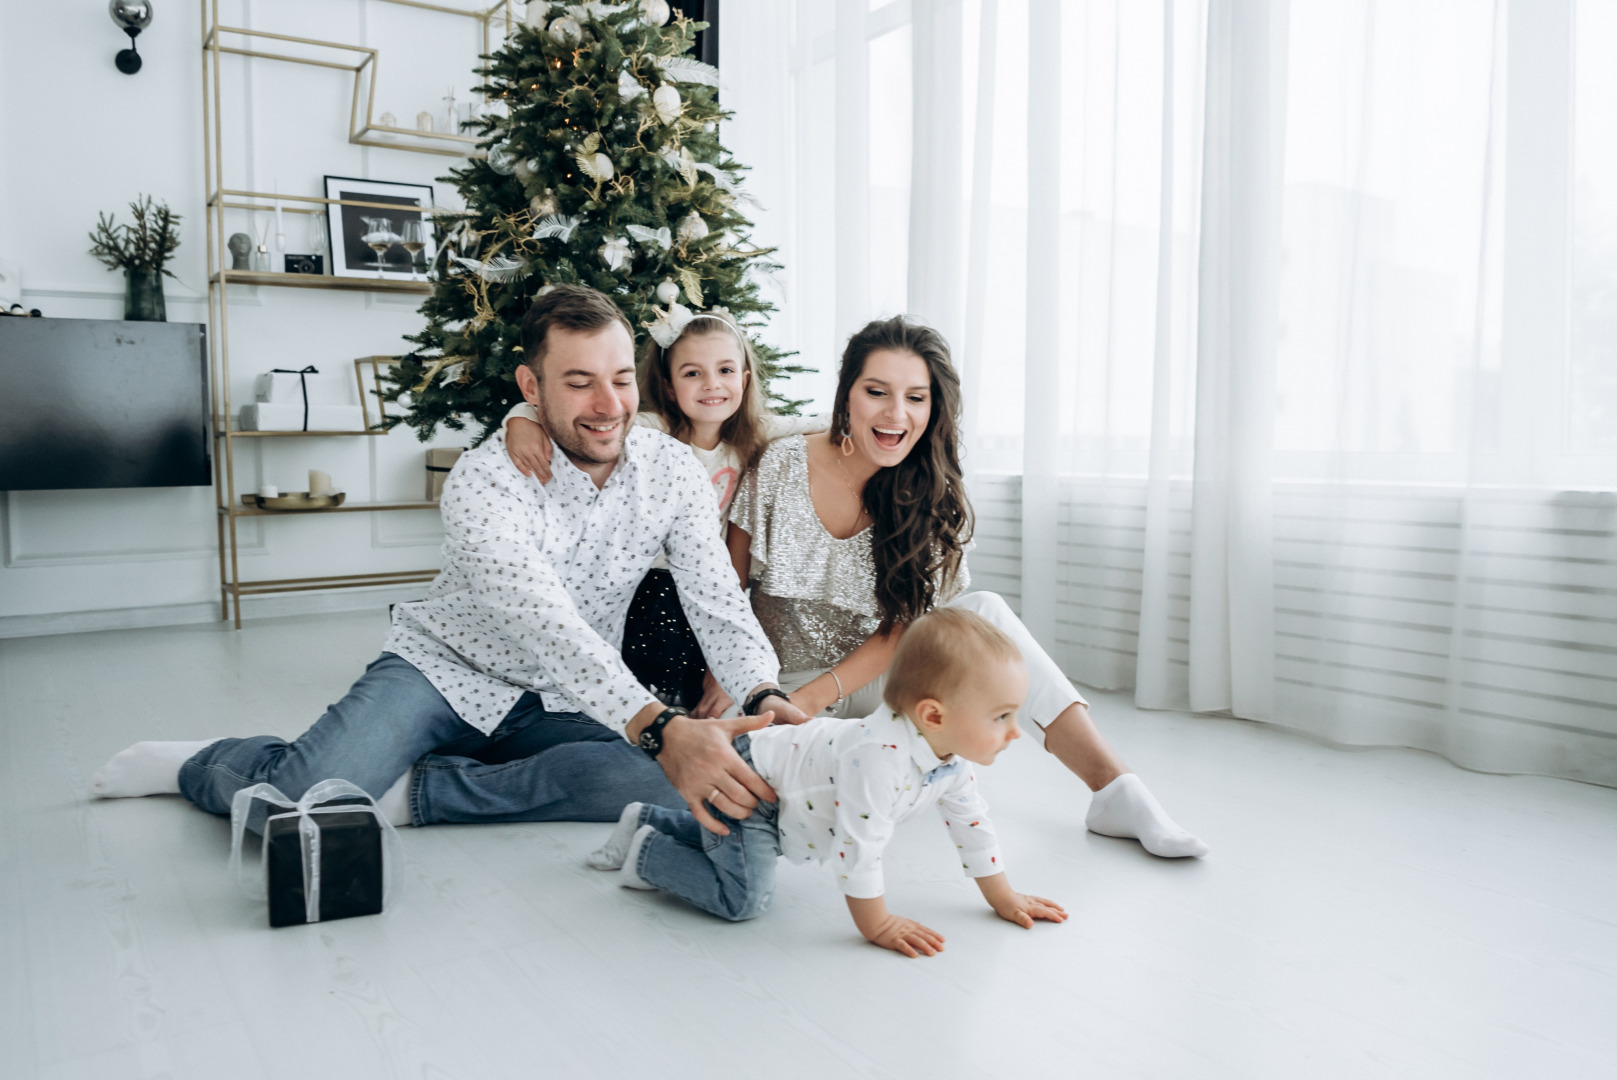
x,y
844,784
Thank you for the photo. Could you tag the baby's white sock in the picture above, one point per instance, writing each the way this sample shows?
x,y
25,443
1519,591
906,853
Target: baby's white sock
x,y
610,855
1126,808
630,878
395,801
147,768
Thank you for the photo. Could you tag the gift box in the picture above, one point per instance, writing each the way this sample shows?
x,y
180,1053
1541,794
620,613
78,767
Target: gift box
x,y
324,854
268,416
348,858
439,464
286,388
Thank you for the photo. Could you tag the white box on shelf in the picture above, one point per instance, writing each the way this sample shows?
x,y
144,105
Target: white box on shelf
x,y
267,416
286,388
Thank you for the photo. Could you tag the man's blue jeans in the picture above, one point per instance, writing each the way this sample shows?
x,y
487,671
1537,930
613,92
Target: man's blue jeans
x,y
536,766
732,876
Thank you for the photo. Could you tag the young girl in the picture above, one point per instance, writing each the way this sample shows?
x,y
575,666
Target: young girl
x,y
698,383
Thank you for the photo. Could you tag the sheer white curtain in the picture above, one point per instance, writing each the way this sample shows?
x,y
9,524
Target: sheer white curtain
x,y
1287,332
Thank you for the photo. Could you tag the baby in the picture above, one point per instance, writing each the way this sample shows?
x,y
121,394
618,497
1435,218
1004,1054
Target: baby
x,y
952,693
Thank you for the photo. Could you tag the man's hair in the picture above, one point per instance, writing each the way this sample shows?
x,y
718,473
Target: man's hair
x,y
569,307
940,653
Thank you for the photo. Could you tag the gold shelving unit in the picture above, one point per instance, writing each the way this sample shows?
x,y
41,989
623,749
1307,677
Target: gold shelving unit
x,y
219,40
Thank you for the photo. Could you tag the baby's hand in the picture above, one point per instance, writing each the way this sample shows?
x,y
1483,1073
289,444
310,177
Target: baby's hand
x,y
906,936
529,447
1022,909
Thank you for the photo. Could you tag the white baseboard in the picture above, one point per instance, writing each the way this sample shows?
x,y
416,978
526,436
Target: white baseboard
x,y
267,607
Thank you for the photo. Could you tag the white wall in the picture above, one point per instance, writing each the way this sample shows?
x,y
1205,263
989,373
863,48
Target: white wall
x,y
78,137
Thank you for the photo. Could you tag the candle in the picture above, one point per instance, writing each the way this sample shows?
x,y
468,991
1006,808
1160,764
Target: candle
x,y
268,491
280,223
319,482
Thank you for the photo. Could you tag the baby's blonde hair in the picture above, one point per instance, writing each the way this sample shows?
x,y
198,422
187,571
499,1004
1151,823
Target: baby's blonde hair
x,y
939,653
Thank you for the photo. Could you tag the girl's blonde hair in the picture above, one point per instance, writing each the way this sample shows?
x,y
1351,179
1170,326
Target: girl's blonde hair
x,y
744,430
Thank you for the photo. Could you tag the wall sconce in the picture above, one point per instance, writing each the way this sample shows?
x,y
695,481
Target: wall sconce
x,y
132,16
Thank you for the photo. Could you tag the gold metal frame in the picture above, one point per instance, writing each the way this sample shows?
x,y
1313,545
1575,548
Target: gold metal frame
x,y
363,61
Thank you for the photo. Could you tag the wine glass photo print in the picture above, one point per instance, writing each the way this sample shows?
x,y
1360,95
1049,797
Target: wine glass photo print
x,y
392,238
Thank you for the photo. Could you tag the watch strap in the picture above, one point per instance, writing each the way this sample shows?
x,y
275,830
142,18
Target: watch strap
x,y
651,736
757,699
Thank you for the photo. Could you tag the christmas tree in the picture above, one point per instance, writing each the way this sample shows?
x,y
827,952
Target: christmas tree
x,y
603,167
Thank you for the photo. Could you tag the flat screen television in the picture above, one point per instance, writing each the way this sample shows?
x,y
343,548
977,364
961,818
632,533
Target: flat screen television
x,y
93,403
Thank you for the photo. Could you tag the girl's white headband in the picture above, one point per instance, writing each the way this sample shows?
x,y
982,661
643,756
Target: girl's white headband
x,y
670,324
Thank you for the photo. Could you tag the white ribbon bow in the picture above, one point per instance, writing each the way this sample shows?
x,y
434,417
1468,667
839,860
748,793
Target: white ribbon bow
x,y
308,833
668,325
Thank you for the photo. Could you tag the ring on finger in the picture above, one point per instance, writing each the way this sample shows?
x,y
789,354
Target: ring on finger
x,y
713,796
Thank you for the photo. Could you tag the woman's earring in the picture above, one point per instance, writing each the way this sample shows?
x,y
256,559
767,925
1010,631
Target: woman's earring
x,y
847,445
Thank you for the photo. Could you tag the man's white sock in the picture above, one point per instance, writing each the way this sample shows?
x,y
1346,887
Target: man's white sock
x,y
610,855
147,768
395,801
1126,808
630,878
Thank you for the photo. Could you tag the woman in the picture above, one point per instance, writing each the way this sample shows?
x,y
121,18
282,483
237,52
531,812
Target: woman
x,y
847,537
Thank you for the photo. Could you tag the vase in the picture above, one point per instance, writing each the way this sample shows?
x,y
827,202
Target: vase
x,y
143,296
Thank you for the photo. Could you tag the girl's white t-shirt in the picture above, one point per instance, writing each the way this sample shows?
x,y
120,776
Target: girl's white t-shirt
x,y
723,463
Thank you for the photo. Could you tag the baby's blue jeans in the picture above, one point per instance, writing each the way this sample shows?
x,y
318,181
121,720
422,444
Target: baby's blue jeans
x,y
732,876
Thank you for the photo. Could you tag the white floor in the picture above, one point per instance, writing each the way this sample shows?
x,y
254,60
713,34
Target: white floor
x,y
1364,913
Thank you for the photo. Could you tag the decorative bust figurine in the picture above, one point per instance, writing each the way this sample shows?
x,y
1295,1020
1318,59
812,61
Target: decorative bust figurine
x,y
240,244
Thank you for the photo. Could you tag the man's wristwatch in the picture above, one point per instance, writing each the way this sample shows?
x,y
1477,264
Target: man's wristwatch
x,y
651,737
751,708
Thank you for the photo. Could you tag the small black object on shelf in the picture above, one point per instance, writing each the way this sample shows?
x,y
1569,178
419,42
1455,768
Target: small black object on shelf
x,y
305,264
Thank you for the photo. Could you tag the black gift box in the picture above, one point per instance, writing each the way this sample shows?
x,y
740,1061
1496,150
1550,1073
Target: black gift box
x,y
350,864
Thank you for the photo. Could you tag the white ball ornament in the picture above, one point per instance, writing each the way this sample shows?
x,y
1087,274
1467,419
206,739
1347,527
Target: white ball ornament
x,y
566,29
543,205
656,12
502,159
692,227
603,168
525,169
665,99
667,292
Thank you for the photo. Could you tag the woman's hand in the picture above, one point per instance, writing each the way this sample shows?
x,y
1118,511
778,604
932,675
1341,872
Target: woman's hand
x,y
715,702
530,448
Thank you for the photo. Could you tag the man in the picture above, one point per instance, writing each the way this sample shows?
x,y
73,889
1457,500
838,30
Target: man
x,y
504,687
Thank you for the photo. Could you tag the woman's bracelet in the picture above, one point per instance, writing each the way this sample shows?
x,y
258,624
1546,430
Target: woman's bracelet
x,y
841,697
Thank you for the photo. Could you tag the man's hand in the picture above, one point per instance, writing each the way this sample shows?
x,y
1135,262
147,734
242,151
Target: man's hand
x,y
787,710
529,446
714,701
705,768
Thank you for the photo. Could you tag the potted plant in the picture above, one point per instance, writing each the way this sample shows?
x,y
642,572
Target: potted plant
x,y
140,250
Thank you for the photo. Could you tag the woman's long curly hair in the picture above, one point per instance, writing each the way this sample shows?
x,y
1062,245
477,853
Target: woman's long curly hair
x,y
921,518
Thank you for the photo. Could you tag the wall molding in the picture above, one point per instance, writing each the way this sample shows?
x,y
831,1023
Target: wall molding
x,y
268,607
80,292
13,557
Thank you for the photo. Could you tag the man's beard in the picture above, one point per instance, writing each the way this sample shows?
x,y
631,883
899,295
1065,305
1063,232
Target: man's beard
x,y
571,443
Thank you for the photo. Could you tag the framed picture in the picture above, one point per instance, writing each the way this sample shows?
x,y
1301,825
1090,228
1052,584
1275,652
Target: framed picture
x,y
378,241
